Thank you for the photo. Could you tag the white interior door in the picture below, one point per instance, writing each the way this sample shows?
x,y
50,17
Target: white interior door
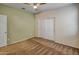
x,y
3,30
46,28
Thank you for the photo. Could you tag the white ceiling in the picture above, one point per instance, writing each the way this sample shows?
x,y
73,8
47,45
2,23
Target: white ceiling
x,y
41,8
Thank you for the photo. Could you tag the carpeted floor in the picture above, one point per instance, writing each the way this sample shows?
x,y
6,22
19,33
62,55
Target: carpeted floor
x,y
38,46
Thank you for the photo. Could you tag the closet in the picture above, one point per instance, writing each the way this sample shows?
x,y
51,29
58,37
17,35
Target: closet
x,y
46,28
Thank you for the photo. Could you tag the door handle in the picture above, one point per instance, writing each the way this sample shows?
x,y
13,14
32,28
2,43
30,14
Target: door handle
x,y
5,32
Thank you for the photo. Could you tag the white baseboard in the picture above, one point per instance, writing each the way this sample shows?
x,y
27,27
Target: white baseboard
x,y
20,40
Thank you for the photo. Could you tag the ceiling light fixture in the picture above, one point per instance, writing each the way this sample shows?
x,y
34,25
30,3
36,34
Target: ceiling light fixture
x,y
35,5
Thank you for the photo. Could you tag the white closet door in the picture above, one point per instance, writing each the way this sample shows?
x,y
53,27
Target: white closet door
x,y
3,30
46,28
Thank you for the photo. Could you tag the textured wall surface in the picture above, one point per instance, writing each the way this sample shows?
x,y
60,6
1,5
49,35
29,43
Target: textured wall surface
x,y
20,24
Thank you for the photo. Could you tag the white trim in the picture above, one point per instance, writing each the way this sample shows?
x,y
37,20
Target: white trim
x,y
20,40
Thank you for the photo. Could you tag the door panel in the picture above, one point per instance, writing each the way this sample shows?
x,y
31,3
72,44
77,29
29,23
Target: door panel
x,y
3,30
46,28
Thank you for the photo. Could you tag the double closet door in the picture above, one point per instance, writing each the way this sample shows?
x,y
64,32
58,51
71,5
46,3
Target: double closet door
x,y
46,28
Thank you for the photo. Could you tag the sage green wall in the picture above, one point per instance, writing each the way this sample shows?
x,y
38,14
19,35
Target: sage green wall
x,y
20,24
